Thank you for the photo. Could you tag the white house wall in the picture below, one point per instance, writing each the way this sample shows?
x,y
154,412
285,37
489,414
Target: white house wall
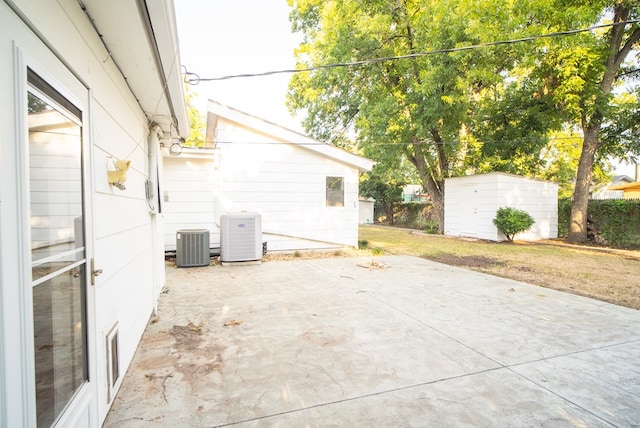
x,y
189,198
471,204
120,223
286,184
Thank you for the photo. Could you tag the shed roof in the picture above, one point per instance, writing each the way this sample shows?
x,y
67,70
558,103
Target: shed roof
x,y
287,136
498,173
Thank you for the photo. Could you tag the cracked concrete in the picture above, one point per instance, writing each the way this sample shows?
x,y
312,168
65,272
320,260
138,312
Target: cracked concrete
x,y
328,342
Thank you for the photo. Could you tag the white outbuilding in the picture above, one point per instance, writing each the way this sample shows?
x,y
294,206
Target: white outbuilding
x,y
471,203
305,190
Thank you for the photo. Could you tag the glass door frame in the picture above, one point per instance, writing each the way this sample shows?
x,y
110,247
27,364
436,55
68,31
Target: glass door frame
x,y
43,62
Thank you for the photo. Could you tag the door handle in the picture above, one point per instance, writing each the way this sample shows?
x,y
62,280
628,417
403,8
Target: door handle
x,y
94,272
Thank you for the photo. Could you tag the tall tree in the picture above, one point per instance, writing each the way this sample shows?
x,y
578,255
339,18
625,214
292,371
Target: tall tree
x,y
581,74
593,104
490,108
431,106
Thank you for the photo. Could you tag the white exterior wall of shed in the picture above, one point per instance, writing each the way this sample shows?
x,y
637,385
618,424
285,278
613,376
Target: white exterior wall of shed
x,y
366,210
471,204
120,229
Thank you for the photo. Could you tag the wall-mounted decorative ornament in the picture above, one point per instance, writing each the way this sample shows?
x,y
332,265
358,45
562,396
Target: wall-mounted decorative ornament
x,y
119,176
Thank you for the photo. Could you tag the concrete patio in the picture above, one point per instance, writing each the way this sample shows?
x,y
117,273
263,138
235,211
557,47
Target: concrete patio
x,y
400,342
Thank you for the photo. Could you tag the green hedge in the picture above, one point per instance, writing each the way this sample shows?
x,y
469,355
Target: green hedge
x,y
614,222
416,215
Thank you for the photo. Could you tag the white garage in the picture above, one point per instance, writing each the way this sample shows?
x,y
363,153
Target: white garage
x,y
471,203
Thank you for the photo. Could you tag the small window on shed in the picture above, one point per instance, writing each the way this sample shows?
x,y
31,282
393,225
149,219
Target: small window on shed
x,y
335,191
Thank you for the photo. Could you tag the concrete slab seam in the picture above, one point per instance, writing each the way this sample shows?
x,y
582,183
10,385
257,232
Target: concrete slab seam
x,y
509,367
360,397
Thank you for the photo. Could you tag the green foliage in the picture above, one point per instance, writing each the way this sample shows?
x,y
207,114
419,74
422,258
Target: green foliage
x,y
196,121
417,215
480,110
613,222
477,110
385,186
511,221
559,162
564,216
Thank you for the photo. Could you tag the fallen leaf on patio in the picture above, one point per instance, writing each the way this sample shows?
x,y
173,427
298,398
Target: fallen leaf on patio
x,y
232,323
197,328
375,265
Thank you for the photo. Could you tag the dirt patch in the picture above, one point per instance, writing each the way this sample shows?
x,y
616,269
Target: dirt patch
x,y
188,336
465,261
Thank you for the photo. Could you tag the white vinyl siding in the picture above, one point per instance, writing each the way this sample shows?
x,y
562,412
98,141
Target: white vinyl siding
x,y
251,171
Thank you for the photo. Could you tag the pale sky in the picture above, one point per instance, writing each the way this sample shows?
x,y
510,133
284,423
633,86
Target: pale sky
x,y
224,37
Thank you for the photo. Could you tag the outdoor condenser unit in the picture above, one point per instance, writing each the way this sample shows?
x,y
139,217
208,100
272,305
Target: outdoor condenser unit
x,y
192,248
240,237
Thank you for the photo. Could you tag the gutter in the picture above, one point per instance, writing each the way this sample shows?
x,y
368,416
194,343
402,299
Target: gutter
x,y
169,77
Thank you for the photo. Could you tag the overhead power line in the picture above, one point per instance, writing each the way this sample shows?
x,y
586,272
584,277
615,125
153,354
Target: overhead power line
x,y
194,78
577,138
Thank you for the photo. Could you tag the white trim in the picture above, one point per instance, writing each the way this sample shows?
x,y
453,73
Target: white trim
x,y
165,31
44,62
112,386
291,137
24,236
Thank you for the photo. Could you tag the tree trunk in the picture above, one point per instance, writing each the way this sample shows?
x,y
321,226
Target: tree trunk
x,y
591,126
437,199
580,203
435,188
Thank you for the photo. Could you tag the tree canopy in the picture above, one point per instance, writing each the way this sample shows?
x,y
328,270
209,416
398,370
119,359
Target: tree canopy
x,y
442,92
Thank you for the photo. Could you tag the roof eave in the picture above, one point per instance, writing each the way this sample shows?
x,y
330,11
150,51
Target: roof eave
x,y
291,137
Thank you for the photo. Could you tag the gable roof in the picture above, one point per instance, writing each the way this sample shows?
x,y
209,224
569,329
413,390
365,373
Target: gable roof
x,y
624,178
141,37
286,135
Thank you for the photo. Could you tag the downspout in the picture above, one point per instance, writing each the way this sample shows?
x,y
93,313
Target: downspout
x,y
152,199
152,184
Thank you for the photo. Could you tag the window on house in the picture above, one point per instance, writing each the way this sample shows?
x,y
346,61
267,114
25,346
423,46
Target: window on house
x,y
335,192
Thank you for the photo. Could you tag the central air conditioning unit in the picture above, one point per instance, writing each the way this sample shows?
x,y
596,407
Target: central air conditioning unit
x,y
240,237
192,248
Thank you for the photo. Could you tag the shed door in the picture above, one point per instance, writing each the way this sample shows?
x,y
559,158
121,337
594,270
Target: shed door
x,y
469,210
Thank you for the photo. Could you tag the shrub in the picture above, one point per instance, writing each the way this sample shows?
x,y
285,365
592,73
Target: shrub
x,y
511,221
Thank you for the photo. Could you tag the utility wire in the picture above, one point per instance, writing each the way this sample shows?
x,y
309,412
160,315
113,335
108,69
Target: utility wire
x,y
426,142
194,79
